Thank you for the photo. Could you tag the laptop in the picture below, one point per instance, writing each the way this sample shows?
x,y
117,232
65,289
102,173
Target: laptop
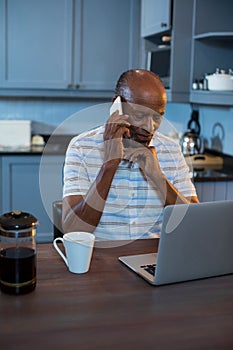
x,y
196,241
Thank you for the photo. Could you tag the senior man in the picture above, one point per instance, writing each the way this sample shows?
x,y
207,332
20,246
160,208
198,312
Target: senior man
x,y
118,177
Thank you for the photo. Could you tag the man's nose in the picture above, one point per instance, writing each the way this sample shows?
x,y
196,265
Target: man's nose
x,y
148,124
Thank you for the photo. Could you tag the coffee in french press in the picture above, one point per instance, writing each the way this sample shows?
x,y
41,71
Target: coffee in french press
x,y
17,252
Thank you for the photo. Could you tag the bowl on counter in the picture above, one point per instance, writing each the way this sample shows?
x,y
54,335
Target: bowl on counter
x,y
220,81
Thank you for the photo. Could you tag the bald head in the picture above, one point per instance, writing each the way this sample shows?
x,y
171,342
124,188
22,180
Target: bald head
x,y
142,87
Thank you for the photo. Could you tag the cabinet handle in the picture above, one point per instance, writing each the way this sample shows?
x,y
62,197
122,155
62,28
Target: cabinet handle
x,y
163,24
73,86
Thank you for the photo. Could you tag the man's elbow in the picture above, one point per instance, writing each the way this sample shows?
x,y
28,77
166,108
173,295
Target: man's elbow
x,y
73,223
194,199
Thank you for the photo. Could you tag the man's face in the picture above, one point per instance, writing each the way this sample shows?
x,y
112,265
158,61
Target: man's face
x,y
144,122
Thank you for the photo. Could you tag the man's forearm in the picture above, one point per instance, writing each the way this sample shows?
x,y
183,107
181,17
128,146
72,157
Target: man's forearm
x,y
168,193
173,196
85,214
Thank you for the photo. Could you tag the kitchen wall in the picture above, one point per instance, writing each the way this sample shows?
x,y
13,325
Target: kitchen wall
x,y
49,114
216,123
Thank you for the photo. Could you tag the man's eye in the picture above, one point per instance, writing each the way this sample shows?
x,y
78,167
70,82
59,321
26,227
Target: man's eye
x,y
137,116
140,116
156,117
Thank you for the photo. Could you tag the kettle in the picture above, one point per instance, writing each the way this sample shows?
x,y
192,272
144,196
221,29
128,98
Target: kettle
x,y
217,138
191,141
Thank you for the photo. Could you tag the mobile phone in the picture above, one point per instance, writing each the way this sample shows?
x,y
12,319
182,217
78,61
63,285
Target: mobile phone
x,y
116,106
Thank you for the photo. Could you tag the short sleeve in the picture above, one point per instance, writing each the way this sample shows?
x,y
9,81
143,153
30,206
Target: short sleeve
x,y
75,179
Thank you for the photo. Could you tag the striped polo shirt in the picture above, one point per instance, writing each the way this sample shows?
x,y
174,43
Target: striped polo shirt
x,y
133,208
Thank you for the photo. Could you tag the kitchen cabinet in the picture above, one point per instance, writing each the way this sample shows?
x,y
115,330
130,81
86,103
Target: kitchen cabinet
x,y
201,41
28,187
66,47
168,52
109,42
155,16
212,47
36,43
214,190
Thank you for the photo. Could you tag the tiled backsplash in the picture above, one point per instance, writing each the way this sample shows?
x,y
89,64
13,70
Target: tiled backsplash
x,y
74,116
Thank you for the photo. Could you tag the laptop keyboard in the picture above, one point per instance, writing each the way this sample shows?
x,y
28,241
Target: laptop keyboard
x,y
149,268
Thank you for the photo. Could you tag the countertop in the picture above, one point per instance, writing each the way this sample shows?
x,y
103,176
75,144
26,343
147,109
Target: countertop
x,y
56,145
59,143
213,175
210,173
110,307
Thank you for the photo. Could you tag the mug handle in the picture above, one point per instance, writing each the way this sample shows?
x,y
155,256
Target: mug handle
x,y
58,249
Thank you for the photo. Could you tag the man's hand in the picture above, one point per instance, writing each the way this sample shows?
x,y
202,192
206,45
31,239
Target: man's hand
x,y
146,158
116,128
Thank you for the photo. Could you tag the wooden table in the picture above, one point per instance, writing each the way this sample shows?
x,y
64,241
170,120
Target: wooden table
x,y
110,307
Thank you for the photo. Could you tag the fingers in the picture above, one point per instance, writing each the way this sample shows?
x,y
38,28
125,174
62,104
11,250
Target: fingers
x,y
119,118
132,155
113,131
117,126
137,154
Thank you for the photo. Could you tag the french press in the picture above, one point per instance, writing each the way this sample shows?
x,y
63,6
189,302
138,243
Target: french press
x,y
17,252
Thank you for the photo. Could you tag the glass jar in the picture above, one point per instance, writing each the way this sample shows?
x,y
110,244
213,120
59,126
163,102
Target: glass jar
x,y
17,252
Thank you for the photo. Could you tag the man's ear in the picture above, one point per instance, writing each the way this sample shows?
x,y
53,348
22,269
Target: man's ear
x,y
121,97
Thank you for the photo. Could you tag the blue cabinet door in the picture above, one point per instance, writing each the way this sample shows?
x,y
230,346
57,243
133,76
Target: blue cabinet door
x,y
36,43
23,189
71,45
155,16
214,190
109,41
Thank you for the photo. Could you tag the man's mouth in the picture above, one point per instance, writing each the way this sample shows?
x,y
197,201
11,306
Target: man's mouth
x,y
138,136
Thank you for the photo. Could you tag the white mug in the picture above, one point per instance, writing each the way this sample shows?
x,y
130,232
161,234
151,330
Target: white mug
x,y
78,248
